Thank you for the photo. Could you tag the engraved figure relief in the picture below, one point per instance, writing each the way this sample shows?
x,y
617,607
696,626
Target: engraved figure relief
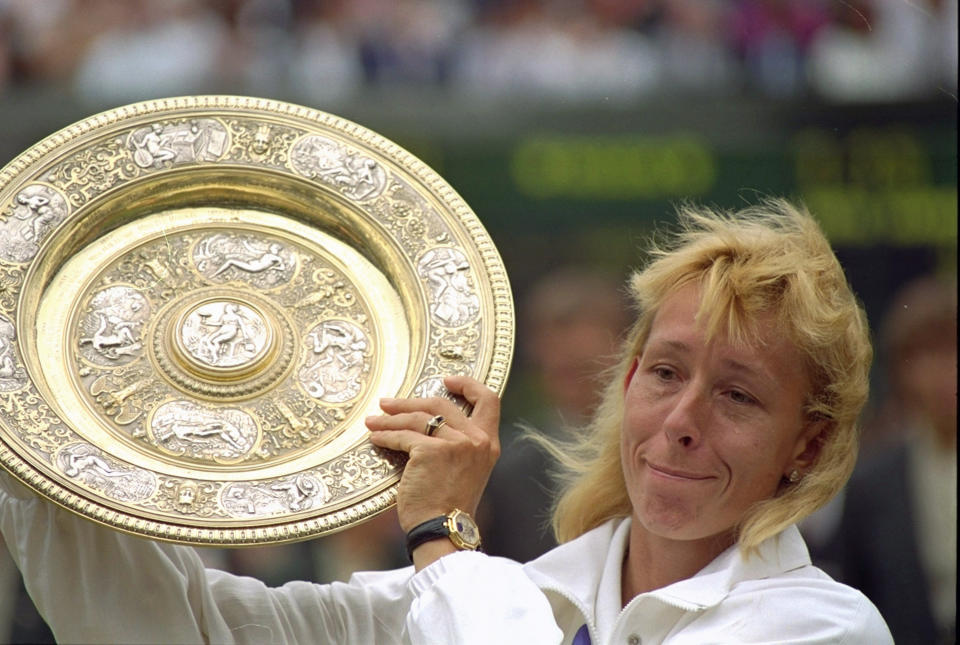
x,y
337,362
224,334
263,263
187,496
185,428
88,464
36,210
459,345
453,301
161,144
291,494
353,174
266,144
110,332
261,140
12,374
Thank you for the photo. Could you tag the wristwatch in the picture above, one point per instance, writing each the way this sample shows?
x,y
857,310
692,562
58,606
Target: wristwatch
x,y
456,525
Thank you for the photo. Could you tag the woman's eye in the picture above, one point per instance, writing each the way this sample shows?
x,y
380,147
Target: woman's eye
x,y
738,396
664,373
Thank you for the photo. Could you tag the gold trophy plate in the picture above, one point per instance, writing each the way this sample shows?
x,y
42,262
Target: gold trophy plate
x,y
201,298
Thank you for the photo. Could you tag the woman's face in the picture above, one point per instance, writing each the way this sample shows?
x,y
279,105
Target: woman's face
x,y
709,429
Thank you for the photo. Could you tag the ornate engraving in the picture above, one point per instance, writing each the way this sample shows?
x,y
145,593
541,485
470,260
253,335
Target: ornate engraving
x,y
453,301
88,464
261,143
173,143
94,170
110,332
328,288
224,334
295,421
187,497
33,421
355,175
11,281
159,270
409,217
12,374
359,469
286,495
337,363
123,395
185,428
36,210
261,262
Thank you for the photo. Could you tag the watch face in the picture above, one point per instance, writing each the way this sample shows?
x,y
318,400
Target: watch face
x,y
467,529
465,533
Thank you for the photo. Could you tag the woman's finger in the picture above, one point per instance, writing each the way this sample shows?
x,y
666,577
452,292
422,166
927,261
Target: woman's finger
x,y
432,406
449,469
400,440
415,421
485,402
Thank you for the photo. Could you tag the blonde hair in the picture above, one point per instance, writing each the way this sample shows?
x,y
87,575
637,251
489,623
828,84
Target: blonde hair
x,y
770,258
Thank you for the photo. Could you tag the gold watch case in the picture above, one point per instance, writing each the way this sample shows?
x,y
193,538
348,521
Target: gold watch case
x,y
202,297
463,530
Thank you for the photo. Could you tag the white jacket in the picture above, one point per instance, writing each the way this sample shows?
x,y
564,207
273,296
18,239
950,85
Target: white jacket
x,y
97,585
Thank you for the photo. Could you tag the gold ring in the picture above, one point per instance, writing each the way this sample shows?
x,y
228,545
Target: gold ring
x,y
434,424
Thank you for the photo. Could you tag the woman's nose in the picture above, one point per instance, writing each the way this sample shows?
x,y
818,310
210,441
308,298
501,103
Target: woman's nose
x,y
685,419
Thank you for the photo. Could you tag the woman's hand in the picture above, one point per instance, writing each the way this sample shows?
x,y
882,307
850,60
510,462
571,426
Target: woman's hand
x,y
449,469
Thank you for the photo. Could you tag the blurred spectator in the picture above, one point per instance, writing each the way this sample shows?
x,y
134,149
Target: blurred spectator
x,y
554,50
571,50
897,536
150,50
886,50
6,52
257,51
694,48
772,38
42,39
326,66
408,41
573,322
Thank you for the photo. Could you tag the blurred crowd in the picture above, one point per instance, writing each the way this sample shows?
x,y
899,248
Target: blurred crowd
x,y
613,50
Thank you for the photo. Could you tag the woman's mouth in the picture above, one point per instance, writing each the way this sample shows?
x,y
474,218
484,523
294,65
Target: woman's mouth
x,y
676,473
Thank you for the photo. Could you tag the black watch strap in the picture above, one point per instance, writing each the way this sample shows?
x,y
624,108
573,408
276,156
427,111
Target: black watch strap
x,y
425,532
456,525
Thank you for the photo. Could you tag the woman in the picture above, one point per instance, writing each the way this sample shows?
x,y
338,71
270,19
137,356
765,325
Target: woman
x,y
731,416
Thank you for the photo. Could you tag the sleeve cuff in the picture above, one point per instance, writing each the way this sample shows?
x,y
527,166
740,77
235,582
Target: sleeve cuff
x,y
426,578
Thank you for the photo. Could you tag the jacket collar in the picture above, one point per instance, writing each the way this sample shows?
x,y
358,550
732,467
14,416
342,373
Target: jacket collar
x,y
577,568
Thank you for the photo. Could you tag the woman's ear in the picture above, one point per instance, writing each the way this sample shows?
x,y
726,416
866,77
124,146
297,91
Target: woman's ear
x,y
809,443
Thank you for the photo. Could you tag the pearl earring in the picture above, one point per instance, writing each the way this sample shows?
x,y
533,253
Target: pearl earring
x,y
794,476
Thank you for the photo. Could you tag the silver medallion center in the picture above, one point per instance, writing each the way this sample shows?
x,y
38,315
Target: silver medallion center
x,y
224,334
